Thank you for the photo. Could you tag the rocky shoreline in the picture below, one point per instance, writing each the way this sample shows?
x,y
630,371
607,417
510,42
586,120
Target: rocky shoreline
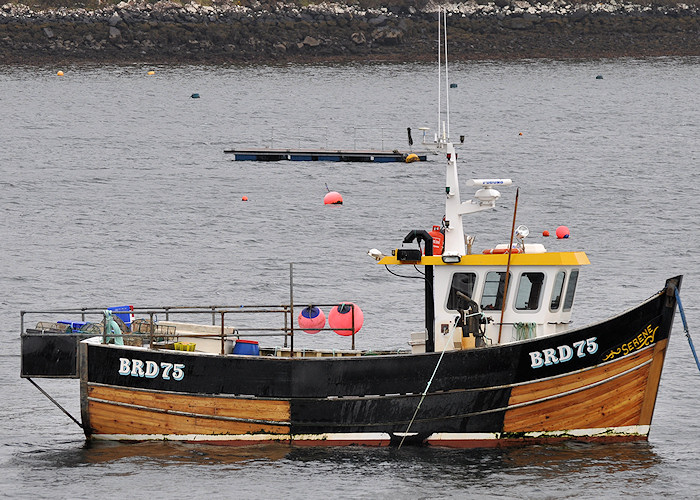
x,y
169,32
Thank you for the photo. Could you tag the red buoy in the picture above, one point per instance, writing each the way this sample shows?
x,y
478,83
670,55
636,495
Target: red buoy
x,y
545,233
311,319
340,319
244,198
562,232
332,198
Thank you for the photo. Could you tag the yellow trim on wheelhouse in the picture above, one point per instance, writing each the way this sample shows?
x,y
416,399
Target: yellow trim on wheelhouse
x,y
521,259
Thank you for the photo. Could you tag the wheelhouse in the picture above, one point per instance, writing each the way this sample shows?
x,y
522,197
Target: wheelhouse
x,y
535,300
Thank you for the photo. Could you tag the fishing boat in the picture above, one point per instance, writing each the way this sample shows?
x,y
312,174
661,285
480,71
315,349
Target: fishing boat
x,y
498,362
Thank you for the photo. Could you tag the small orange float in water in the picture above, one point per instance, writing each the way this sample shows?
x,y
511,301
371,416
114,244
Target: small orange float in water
x,y
411,158
60,73
562,232
332,198
545,233
244,198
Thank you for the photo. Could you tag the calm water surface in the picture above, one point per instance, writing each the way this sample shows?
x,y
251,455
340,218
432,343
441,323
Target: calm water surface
x,y
116,190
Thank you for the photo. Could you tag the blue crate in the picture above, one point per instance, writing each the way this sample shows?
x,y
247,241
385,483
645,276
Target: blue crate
x,y
124,316
74,325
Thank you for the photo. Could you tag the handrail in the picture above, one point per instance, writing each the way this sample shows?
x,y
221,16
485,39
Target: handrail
x,y
221,311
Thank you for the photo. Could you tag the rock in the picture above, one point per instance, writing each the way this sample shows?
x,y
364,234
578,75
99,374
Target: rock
x,y
387,36
517,23
358,38
578,14
253,30
311,41
378,21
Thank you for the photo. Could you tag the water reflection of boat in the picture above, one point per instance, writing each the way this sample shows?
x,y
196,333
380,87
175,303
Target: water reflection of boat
x,y
165,453
577,457
496,365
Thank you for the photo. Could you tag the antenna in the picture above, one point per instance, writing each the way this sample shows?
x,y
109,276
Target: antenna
x,y
439,49
447,82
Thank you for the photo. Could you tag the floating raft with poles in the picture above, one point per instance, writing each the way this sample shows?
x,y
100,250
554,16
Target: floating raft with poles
x,y
325,155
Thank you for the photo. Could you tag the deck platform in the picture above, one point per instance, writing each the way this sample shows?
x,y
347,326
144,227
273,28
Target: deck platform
x,y
265,154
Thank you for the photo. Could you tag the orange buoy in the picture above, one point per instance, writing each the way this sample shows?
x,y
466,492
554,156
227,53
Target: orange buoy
x,y
545,233
562,232
438,240
244,198
59,73
332,198
340,319
311,319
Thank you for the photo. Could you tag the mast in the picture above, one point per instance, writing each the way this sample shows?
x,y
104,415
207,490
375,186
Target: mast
x,y
486,195
439,49
454,230
446,137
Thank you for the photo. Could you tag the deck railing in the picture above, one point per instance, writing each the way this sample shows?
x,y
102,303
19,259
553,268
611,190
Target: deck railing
x,y
147,318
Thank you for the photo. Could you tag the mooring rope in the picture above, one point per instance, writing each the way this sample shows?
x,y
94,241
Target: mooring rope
x,y
427,387
685,327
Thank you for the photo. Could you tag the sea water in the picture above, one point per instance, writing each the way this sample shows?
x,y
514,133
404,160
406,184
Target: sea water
x,y
115,189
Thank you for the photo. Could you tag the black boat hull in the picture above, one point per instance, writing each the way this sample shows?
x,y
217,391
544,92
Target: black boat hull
x,y
594,383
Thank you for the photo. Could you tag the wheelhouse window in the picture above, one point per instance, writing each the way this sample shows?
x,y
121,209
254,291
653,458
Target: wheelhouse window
x,y
492,298
462,284
570,290
557,290
529,291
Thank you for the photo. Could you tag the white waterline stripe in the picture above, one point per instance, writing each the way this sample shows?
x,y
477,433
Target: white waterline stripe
x,y
374,437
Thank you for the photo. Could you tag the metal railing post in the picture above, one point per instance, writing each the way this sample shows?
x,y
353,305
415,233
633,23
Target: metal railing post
x,y
353,327
223,342
291,309
152,330
286,327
